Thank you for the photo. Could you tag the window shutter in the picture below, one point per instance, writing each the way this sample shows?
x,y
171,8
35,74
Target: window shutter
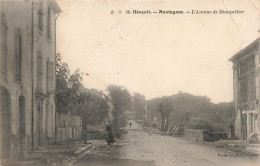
x,y
39,71
16,52
4,43
50,77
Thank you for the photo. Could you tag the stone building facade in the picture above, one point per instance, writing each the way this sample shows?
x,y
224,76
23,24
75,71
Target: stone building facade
x,y
246,81
27,75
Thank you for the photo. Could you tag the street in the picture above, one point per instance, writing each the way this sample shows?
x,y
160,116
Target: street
x,y
138,147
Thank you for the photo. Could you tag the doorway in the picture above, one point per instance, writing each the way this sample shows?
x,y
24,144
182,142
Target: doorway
x,y
244,126
39,122
21,125
5,129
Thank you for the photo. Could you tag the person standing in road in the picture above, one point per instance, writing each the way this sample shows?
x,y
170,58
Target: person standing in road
x,y
130,124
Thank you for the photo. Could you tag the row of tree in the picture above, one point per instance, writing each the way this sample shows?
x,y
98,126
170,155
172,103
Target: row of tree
x,y
195,112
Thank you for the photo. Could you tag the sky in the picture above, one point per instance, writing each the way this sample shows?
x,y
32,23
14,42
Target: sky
x,y
157,55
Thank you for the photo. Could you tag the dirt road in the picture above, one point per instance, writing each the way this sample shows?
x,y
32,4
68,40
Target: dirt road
x,y
138,147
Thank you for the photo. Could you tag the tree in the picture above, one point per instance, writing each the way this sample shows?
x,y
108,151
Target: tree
x,y
71,96
62,72
76,80
139,105
65,95
165,107
62,94
120,100
92,108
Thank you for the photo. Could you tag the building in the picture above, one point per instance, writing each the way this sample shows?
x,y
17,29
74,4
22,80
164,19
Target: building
x,y
246,80
27,75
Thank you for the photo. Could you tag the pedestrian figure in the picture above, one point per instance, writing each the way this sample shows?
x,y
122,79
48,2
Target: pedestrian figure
x,y
150,131
130,124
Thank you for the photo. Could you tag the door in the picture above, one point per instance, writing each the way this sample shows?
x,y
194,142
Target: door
x,y
40,123
21,125
5,128
244,126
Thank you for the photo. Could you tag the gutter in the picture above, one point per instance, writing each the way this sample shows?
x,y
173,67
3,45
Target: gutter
x,y
55,78
32,50
55,23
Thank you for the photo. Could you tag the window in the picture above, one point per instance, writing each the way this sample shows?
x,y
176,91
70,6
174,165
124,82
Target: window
x,y
40,17
248,80
244,89
48,23
4,44
18,54
50,76
247,65
39,71
252,88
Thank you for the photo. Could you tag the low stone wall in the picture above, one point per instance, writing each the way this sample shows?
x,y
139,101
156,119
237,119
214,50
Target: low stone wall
x,y
215,136
198,135
204,135
68,128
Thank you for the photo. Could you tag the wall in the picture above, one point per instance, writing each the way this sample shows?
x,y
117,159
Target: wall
x,y
20,136
68,128
246,107
44,103
204,135
198,135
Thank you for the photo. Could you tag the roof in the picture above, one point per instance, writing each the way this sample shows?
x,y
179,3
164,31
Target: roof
x,y
253,46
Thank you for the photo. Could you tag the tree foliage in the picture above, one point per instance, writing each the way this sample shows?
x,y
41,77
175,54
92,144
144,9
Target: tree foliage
x,y
195,112
92,108
63,93
138,105
120,100
70,96
165,107
67,87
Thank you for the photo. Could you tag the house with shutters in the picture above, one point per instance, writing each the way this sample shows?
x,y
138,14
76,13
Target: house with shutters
x,y
27,75
246,83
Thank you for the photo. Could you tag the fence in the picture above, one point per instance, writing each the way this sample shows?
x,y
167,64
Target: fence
x,y
68,128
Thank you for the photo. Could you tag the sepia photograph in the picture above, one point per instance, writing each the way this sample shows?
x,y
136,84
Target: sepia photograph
x,y
129,82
